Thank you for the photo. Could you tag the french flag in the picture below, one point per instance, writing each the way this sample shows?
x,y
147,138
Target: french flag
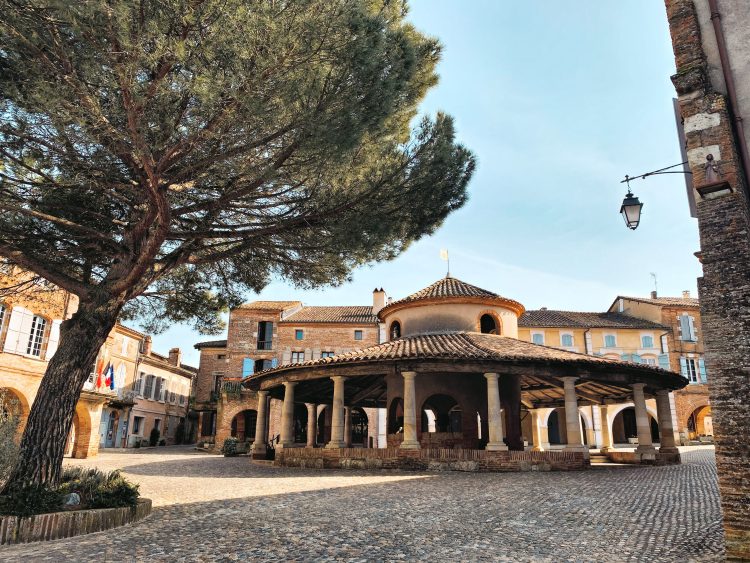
x,y
110,380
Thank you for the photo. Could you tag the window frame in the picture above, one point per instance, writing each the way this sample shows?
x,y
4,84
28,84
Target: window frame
x,y
327,354
536,333
643,343
35,346
299,334
298,354
563,335
359,334
611,335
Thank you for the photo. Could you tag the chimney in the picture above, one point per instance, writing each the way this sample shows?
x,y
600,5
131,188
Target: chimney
x,y
543,308
379,299
146,346
653,295
175,357
686,294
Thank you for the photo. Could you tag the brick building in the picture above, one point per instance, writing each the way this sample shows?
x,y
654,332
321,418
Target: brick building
x,y
711,43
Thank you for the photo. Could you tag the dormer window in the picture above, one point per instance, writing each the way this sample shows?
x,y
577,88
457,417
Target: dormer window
x,y
395,330
487,325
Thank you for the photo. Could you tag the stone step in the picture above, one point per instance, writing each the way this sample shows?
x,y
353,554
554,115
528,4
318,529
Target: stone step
x,y
263,461
598,458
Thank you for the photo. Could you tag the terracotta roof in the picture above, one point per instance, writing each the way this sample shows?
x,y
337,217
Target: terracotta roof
x,y
665,301
211,344
574,319
270,305
450,288
461,346
350,315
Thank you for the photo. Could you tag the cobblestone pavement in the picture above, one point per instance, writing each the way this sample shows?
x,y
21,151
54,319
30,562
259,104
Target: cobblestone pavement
x,y
211,508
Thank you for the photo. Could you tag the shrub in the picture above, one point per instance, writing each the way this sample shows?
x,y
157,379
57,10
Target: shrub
x,y
27,500
229,449
137,444
99,489
9,411
154,438
162,442
179,433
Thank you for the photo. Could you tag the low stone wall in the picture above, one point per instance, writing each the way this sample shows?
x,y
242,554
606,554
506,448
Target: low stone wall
x,y
432,459
16,529
658,458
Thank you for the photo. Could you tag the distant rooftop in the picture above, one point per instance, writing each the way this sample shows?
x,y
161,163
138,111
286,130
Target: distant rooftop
x,y
270,305
211,344
666,301
359,314
554,319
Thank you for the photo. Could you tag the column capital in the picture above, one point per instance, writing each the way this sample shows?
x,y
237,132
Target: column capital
x,y
662,393
638,386
569,379
288,384
338,378
409,374
491,375
262,392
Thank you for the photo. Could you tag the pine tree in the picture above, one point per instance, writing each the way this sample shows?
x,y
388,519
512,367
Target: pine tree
x,y
159,158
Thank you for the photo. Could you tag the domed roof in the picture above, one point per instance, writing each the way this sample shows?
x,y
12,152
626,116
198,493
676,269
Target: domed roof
x,y
453,289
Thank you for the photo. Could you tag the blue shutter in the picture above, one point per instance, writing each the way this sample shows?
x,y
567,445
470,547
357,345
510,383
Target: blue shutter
x,y
687,334
636,358
664,361
626,357
683,367
702,370
247,367
274,362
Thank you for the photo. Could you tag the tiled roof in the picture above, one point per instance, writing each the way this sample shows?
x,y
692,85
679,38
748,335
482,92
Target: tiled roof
x,y
666,301
350,315
211,344
449,287
460,346
574,319
270,305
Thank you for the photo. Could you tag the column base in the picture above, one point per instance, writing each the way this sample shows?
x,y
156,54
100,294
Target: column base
x,y
496,447
604,449
285,445
669,450
645,450
537,449
410,445
335,445
576,448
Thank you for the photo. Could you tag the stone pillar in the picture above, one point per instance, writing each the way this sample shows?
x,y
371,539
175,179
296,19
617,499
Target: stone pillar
x,y
287,416
312,424
510,399
337,413
664,414
494,414
572,417
348,426
410,412
645,445
261,430
606,430
539,430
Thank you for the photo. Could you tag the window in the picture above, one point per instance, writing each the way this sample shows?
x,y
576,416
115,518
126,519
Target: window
x,y
247,367
566,340
358,335
36,336
148,391
157,423
125,342
221,356
487,325
649,361
137,424
687,328
182,400
299,334
689,369
298,357
647,341
395,330
2,317
326,354
610,341
138,385
265,335
537,338
159,389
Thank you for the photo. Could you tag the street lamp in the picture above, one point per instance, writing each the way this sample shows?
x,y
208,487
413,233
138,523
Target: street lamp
x,y
631,206
631,209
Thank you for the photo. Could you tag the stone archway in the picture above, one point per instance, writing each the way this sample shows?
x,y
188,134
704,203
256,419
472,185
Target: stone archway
x,y
557,431
15,403
441,422
700,423
624,429
243,425
85,439
300,423
360,427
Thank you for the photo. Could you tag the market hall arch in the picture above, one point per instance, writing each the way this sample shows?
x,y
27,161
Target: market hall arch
x,y
624,427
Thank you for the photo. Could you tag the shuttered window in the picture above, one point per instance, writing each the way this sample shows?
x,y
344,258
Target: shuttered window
x,y
537,338
687,328
702,370
647,341
247,367
664,361
36,336
566,340
610,341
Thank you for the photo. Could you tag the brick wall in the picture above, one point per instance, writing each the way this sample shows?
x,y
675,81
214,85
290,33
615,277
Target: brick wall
x,y
724,224
210,364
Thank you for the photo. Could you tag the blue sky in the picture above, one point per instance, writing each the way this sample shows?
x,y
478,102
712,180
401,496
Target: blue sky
x,y
558,100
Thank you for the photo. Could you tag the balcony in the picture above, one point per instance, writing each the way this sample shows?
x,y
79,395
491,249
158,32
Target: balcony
x,y
265,345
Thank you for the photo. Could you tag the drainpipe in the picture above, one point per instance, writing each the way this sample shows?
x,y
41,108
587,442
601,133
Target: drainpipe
x,y
726,70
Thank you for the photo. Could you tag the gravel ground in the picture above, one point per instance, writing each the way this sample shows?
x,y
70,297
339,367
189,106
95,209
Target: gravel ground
x,y
209,508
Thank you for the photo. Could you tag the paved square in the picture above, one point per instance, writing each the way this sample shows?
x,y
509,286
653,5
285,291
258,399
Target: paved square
x,y
213,508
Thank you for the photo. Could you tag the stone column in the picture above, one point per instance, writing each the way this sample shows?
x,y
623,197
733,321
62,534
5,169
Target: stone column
x,y
287,416
510,399
410,412
606,431
312,424
645,445
572,417
337,413
494,414
261,430
540,434
664,414
348,426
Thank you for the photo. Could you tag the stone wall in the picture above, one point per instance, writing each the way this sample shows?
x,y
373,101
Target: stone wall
x,y
724,224
430,460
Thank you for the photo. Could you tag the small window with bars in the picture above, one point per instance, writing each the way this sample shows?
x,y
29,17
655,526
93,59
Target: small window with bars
x,y
38,324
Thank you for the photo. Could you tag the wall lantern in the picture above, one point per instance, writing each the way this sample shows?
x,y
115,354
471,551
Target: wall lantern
x,y
631,209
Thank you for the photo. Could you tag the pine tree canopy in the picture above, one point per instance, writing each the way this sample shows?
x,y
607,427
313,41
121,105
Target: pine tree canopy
x,y
175,154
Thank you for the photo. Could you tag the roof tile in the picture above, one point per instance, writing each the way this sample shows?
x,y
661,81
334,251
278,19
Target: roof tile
x,y
574,319
318,314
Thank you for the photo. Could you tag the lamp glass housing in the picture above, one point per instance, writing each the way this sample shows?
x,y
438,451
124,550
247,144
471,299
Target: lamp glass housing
x,y
631,211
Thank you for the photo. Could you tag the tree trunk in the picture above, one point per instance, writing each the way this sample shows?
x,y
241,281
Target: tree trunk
x,y
48,425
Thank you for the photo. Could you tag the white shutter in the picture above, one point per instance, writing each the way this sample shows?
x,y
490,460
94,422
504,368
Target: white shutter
x,y
162,390
54,338
19,331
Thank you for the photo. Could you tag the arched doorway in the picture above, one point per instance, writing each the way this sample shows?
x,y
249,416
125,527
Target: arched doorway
x,y
488,324
108,428
14,404
300,423
441,414
700,423
243,425
324,426
625,429
557,430
396,416
360,427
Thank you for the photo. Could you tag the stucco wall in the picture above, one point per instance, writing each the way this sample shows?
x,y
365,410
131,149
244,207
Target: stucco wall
x,y
443,317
